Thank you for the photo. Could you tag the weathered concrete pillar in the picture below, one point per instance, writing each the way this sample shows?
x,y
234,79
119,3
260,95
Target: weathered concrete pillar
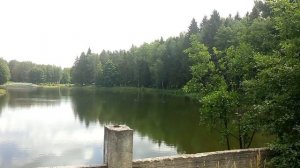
x,y
118,146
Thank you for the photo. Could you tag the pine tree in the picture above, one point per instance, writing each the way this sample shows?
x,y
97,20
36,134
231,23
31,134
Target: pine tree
x,y
192,30
110,76
209,29
89,52
4,71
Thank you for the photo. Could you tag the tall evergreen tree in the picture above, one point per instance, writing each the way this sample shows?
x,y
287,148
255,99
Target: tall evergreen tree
x,y
209,29
86,69
66,76
4,71
89,51
110,76
237,16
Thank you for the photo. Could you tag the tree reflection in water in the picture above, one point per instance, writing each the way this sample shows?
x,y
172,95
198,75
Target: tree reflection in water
x,y
173,120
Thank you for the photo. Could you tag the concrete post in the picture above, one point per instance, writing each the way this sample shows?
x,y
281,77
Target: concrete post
x,y
118,141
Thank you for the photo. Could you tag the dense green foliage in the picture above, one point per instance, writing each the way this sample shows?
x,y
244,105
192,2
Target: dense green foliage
x,y
86,69
34,73
218,82
277,84
4,71
66,77
160,64
245,72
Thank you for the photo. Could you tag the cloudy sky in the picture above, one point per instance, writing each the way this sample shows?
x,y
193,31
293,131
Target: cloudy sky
x,y
56,31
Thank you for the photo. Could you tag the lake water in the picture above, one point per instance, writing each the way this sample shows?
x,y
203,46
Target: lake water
x,y
57,127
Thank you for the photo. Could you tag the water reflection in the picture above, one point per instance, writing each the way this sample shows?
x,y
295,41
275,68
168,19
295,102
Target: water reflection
x,y
165,119
28,98
50,127
3,101
42,136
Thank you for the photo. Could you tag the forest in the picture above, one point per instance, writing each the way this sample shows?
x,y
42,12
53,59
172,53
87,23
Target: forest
x,y
244,71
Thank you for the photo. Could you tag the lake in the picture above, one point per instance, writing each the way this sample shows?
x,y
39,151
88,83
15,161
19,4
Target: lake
x,y
57,127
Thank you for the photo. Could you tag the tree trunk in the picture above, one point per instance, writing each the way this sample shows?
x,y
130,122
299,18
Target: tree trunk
x,y
227,136
240,137
251,139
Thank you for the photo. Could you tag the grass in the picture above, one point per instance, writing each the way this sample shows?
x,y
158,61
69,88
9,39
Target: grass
x,y
2,92
54,85
127,89
256,162
175,92
117,89
141,89
133,90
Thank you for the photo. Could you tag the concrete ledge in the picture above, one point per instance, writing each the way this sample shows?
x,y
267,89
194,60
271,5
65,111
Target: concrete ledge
x,y
86,166
254,157
244,158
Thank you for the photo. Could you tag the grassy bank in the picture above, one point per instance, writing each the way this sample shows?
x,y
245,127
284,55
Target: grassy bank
x,y
54,85
112,89
19,85
142,89
2,92
176,92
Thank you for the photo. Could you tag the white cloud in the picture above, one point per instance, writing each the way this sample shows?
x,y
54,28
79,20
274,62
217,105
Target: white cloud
x,y
55,31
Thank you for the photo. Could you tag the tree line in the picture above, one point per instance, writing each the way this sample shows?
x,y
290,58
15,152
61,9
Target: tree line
x,y
159,64
33,73
245,72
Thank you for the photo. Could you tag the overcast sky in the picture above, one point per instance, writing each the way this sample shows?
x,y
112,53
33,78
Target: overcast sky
x,y
56,31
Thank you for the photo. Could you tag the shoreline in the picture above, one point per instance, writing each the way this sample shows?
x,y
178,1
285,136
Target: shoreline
x,y
126,89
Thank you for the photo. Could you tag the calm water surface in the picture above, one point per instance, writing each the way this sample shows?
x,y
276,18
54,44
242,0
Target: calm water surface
x,y
56,127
